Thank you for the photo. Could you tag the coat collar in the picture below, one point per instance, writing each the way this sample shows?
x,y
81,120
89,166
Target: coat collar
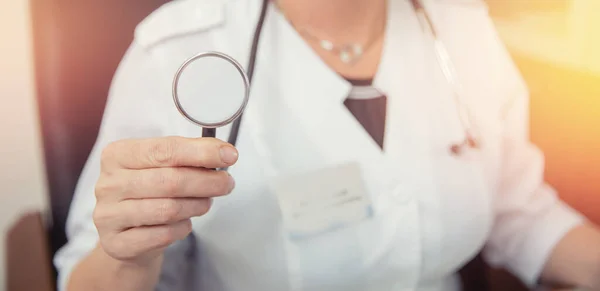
x,y
314,92
312,95
404,75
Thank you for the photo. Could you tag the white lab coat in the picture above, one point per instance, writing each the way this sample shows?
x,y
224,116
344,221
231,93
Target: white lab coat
x,y
432,211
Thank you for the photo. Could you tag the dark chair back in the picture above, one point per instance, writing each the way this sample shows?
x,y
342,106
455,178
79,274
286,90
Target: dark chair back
x,y
77,46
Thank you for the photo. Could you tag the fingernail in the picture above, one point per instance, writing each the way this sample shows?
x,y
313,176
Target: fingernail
x,y
229,154
231,183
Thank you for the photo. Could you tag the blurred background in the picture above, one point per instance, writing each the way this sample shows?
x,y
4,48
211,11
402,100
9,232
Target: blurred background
x,y
57,58
556,44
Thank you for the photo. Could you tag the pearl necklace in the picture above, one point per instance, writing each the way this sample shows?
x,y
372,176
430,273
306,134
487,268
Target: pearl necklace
x,y
348,53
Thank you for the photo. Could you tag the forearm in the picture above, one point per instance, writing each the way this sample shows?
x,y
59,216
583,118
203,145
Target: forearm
x,y
99,272
576,260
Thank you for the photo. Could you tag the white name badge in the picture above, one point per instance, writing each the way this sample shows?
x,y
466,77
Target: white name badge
x,y
323,200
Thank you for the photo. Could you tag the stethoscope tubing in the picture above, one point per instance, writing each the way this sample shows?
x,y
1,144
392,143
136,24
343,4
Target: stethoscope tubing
x,y
235,127
443,59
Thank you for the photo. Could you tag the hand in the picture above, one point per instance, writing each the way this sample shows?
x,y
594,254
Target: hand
x,y
575,260
149,189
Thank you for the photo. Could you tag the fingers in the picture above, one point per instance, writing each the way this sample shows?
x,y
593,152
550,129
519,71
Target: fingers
x,y
135,242
148,190
169,152
149,212
164,183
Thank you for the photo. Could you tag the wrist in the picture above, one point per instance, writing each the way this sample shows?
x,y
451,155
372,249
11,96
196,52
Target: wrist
x,y
100,271
595,284
594,280
140,265
141,274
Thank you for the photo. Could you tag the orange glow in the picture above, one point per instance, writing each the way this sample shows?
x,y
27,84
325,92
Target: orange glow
x,y
556,45
565,124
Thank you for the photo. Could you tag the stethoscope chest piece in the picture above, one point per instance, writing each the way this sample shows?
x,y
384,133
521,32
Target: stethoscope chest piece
x,y
469,142
211,90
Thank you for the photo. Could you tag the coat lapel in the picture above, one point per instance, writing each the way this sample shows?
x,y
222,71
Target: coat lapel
x,y
311,116
305,125
403,76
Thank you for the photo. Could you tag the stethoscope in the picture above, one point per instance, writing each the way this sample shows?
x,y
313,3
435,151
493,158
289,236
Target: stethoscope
x,y
470,140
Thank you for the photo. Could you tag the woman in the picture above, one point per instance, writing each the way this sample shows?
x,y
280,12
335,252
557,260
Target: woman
x,y
418,210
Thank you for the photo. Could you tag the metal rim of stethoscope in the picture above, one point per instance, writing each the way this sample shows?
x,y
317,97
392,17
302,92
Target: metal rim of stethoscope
x,y
238,67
